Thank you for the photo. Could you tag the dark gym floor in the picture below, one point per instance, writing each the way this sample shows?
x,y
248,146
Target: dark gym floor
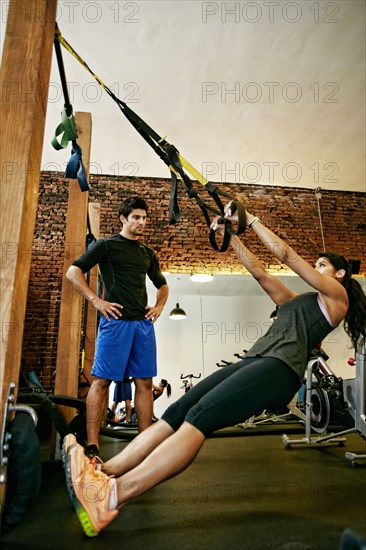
x,y
242,492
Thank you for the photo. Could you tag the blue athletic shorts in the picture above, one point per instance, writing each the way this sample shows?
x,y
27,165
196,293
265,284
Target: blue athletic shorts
x,y
125,348
122,392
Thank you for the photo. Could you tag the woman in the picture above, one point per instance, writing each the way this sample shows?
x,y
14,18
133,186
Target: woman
x,y
159,390
268,377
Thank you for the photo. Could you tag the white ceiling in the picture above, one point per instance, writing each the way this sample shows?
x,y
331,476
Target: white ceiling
x,y
264,92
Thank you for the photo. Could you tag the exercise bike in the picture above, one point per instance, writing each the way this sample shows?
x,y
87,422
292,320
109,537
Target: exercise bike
x,y
188,384
322,389
263,416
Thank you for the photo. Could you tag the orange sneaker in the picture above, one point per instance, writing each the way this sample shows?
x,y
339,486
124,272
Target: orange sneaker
x,y
68,442
93,493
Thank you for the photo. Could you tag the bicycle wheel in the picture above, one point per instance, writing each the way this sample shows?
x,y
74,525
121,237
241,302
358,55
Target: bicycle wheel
x,y
320,409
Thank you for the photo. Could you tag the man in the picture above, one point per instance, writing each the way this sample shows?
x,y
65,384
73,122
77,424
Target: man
x,y
126,339
122,393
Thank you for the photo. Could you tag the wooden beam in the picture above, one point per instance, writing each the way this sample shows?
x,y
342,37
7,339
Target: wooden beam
x,y
91,326
24,81
68,349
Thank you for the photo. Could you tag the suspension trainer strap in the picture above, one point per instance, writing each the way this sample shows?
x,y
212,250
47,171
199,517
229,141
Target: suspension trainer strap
x,y
171,157
176,163
177,166
75,167
83,379
67,130
61,68
174,212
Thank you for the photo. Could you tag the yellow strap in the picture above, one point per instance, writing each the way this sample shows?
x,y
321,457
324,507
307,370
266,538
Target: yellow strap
x,y
70,49
185,164
195,173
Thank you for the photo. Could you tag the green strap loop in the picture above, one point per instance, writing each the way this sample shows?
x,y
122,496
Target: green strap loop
x,y
67,130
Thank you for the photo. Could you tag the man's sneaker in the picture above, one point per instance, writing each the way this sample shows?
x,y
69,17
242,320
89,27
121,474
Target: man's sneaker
x,y
92,453
92,492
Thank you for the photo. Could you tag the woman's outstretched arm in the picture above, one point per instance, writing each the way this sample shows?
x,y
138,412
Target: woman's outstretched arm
x,y
287,255
276,290
331,291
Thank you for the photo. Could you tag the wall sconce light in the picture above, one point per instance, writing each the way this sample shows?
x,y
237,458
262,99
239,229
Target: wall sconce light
x,y
177,313
201,277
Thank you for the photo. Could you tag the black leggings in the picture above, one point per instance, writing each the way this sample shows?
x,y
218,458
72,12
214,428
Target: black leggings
x,y
234,393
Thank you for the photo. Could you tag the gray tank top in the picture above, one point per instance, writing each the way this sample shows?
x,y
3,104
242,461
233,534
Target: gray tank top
x,y
299,328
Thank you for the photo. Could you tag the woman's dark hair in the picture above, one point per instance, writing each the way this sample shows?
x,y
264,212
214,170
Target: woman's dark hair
x,y
166,385
355,319
130,204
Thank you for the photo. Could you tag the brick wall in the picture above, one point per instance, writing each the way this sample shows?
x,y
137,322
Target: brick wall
x,y
184,247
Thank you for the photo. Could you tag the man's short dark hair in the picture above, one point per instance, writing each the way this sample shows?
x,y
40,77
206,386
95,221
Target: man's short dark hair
x,y
133,203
